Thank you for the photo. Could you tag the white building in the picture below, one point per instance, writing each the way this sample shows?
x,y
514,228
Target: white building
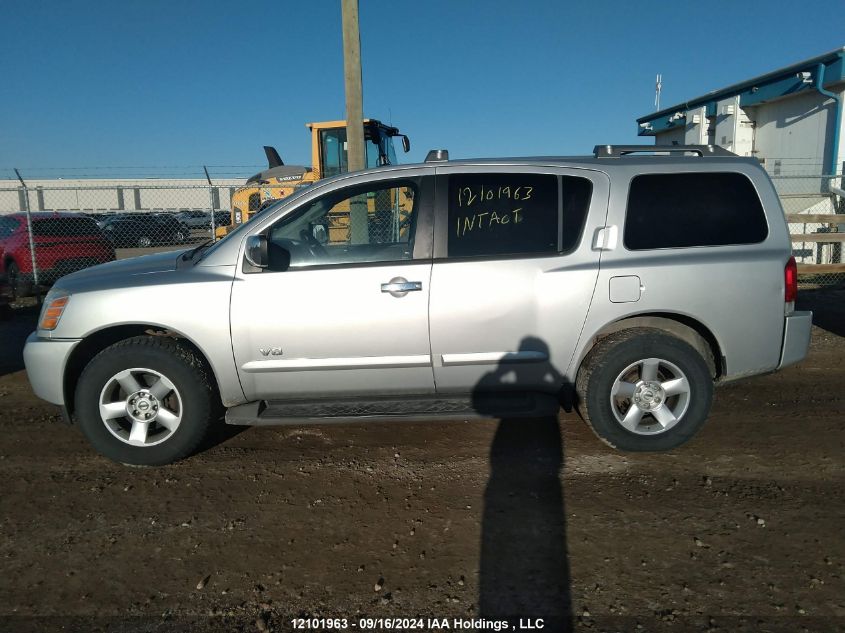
x,y
96,195
791,119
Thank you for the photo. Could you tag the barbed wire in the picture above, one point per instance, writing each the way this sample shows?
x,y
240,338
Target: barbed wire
x,y
131,171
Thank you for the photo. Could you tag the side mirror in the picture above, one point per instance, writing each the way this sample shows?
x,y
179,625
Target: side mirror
x,y
406,143
256,251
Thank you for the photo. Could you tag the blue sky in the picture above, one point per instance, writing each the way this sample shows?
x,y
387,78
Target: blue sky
x,y
174,84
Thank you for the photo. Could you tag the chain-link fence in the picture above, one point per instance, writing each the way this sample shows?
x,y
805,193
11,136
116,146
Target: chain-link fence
x,y
49,228
47,231
815,210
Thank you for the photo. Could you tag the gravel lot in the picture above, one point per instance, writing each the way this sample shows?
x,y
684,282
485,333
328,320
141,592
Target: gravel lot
x,y
743,529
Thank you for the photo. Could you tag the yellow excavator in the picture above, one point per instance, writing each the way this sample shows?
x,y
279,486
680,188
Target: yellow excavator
x,y
328,158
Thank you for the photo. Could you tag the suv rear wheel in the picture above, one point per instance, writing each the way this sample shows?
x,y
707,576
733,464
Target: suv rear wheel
x,y
644,390
146,401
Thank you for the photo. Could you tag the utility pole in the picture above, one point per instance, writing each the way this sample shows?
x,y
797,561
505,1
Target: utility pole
x,y
352,81
354,114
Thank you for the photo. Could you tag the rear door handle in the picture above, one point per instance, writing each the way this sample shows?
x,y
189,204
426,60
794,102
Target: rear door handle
x,y
399,286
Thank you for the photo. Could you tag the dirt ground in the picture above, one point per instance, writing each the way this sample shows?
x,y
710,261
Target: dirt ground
x,y
743,529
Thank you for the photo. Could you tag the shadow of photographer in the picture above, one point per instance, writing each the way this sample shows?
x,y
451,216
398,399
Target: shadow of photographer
x,y
524,563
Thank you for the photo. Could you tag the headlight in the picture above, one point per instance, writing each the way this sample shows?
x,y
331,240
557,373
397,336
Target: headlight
x,y
54,306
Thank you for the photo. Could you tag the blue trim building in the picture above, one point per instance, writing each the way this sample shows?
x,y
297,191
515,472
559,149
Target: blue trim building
x,y
791,119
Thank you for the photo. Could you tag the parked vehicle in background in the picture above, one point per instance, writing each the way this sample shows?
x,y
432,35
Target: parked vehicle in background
x,y
627,285
105,218
142,230
99,216
178,230
64,243
222,218
194,219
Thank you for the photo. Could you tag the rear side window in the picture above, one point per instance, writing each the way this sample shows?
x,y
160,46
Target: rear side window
x,y
695,209
515,214
58,227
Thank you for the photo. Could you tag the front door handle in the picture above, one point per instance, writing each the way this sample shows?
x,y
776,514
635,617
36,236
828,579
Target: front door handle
x,y
399,286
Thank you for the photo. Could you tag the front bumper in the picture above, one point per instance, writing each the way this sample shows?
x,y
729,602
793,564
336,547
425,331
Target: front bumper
x,y
796,338
45,361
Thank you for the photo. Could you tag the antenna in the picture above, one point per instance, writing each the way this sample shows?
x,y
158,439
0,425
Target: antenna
x,y
658,86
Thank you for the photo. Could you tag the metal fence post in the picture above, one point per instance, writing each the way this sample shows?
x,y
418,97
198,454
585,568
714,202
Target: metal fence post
x,y
211,200
31,239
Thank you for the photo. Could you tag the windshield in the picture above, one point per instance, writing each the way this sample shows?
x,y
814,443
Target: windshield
x,y
372,155
388,150
335,157
379,150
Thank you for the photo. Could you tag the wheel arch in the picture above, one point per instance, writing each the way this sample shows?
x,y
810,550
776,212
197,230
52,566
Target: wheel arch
x,y
95,342
686,328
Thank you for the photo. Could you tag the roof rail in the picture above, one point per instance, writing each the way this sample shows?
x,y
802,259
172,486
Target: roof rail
x,y
615,151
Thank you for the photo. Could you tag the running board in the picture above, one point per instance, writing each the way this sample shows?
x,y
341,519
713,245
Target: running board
x,y
408,408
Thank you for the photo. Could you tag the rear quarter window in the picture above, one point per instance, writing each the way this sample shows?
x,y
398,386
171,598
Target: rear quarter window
x,y
64,227
693,209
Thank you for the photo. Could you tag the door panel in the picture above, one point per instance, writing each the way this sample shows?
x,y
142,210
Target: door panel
x,y
515,324
511,321
342,307
334,332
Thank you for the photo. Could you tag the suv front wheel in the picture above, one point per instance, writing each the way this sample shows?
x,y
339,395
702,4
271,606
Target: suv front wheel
x,y
644,390
146,401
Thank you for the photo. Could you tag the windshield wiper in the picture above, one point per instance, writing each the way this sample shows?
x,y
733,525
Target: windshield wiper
x,y
193,252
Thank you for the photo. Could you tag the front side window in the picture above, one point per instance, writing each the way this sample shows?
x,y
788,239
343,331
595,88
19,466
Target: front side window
x,y
693,209
336,158
373,223
515,214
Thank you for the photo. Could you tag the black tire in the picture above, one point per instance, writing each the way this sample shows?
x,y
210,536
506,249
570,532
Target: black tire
x,y
619,351
18,287
199,402
144,241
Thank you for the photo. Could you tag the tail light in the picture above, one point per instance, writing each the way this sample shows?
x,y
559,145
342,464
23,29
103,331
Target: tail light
x,y
790,281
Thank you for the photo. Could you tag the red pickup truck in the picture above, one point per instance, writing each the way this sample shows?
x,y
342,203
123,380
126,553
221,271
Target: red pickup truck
x,y
64,243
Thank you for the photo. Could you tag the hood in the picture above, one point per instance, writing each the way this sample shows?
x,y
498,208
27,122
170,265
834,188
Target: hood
x,y
132,271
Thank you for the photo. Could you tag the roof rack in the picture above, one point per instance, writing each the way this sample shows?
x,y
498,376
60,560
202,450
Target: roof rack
x,y
616,151
437,156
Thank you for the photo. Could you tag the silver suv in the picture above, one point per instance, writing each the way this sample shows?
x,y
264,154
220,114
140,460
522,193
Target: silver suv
x,y
623,284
